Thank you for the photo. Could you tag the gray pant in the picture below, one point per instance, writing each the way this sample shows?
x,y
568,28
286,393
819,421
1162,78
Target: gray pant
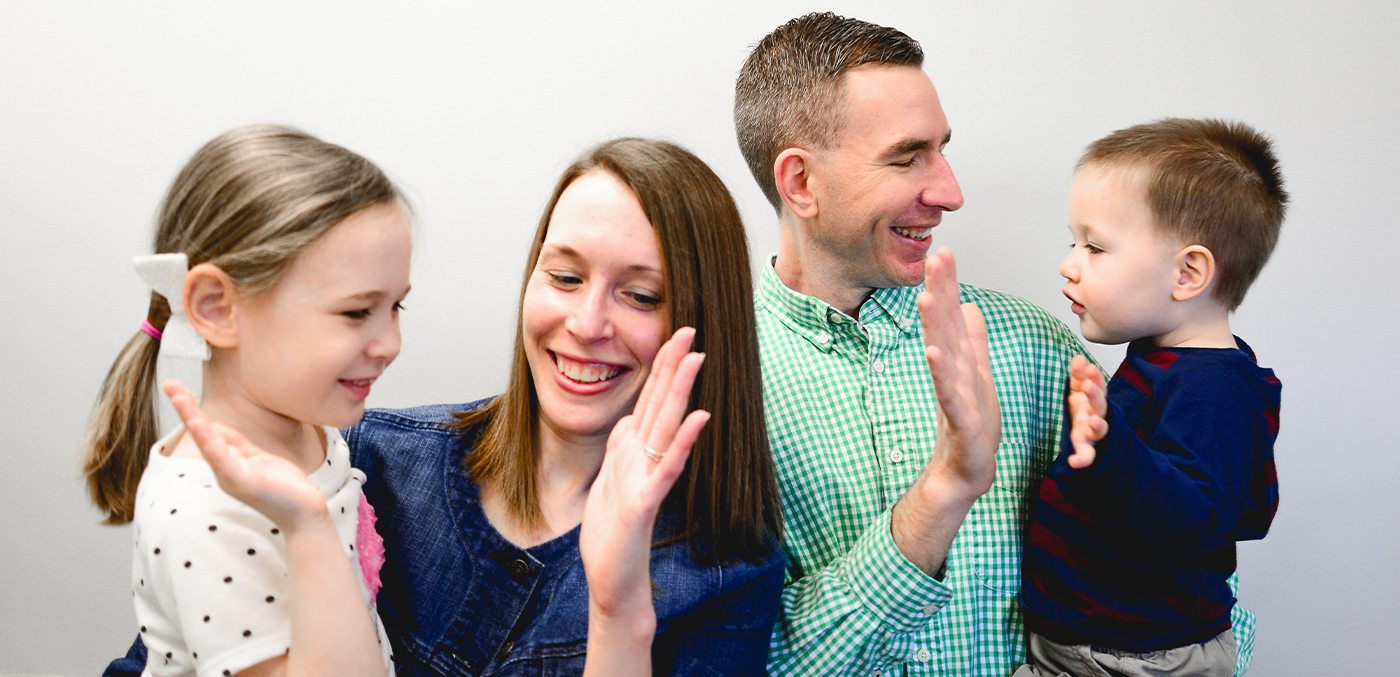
x,y
1212,658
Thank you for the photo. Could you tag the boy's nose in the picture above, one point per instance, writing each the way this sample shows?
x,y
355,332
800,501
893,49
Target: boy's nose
x,y
1069,269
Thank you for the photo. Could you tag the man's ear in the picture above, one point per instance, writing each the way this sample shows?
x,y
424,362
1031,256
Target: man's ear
x,y
792,171
209,297
1195,271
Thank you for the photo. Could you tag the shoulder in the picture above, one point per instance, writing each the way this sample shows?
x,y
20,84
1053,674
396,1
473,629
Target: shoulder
x,y
411,431
1018,326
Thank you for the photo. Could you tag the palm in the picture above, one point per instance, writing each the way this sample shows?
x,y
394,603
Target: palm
x,y
615,539
270,484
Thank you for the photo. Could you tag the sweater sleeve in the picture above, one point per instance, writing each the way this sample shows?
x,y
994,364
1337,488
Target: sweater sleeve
x,y
1196,450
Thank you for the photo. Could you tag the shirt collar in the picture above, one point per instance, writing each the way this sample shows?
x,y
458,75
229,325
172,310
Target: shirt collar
x,y
818,321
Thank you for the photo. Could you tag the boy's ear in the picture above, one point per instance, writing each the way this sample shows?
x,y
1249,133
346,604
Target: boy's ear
x,y
1195,271
792,172
209,297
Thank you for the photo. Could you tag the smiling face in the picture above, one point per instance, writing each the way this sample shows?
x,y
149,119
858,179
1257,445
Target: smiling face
x,y
881,191
310,349
1120,271
595,312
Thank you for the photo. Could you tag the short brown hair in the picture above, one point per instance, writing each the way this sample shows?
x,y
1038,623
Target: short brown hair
x,y
250,201
1210,183
789,90
728,491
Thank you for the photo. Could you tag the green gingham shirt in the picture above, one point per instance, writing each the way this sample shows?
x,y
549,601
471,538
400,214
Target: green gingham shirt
x,y
851,420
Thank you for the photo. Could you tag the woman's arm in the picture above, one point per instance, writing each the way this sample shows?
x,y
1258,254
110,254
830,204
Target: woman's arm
x,y
331,630
646,453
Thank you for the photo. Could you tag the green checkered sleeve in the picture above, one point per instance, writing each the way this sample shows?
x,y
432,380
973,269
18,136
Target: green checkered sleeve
x,y
830,618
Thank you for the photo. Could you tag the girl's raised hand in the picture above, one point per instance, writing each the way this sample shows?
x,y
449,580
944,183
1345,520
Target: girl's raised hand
x,y
646,453
270,484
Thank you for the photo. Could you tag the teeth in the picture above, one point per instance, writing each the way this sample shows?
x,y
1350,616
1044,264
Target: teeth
x,y
585,373
920,234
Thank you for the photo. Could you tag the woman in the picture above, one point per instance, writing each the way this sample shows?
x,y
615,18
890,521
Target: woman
x,y
487,570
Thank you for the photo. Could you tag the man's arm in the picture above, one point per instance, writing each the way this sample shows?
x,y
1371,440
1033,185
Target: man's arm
x,y
929,515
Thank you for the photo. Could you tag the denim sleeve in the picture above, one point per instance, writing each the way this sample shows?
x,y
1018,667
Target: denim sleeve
x,y
129,665
729,636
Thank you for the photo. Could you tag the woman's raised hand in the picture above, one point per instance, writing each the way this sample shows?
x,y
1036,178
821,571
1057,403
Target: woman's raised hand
x,y
270,484
646,453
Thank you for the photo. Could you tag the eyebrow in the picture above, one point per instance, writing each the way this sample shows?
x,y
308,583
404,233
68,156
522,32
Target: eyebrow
x,y
373,294
569,252
907,146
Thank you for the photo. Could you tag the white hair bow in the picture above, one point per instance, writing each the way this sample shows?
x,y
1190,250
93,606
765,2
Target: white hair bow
x,y
165,273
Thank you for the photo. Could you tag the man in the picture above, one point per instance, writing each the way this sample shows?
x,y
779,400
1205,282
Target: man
x,y
903,456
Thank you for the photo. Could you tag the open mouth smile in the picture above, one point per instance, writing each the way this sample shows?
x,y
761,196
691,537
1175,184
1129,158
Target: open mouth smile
x,y
919,234
585,372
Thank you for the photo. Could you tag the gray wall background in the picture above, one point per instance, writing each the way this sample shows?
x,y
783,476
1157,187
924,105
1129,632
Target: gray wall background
x,y
475,111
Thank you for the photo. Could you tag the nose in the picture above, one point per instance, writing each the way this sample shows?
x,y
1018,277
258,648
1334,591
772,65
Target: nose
x,y
942,190
387,344
588,320
1069,268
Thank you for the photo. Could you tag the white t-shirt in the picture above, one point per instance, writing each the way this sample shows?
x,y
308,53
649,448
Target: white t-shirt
x,y
209,573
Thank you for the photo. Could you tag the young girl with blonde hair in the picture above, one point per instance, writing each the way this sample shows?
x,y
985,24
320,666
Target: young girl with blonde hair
x,y
282,261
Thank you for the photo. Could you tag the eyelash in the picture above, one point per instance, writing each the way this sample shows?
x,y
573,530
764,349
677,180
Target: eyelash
x,y
907,163
642,300
364,312
1093,249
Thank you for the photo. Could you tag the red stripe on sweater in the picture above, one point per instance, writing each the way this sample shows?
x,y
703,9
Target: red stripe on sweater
x,y
1131,375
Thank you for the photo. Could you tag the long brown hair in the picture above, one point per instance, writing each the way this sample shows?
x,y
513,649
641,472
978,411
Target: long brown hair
x,y
250,201
727,492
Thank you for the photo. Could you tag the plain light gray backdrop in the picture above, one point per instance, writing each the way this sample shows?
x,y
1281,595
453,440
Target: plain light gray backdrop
x,y
476,110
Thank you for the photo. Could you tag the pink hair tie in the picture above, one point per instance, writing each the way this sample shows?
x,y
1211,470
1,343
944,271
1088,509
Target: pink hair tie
x,y
149,328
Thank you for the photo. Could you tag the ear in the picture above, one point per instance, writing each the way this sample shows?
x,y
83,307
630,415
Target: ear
x,y
792,171
1195,271
209,297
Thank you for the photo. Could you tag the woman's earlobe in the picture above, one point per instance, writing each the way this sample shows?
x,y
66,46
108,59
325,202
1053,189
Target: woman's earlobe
x,y
209,296
1195,271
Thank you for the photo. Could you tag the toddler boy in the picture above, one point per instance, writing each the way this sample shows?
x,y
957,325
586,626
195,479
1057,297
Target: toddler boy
x,y
1132,533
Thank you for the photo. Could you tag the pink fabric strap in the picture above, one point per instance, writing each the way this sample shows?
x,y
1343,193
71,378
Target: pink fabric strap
x,y
149,328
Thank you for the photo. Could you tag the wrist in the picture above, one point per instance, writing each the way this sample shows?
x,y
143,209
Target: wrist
x,y
634,626
307,519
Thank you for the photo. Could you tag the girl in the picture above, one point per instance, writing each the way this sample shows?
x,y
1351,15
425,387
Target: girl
x,y
298,258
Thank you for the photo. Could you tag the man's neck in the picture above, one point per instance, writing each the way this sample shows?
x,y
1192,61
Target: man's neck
x,y
808,270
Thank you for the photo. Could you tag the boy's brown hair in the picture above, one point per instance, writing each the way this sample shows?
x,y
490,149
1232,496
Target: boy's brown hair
x,y
1210,183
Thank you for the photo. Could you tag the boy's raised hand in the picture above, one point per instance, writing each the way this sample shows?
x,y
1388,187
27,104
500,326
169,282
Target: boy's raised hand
x,y
1088,405
268,483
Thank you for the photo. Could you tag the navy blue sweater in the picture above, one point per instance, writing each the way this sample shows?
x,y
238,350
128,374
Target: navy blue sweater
x,y
1133,552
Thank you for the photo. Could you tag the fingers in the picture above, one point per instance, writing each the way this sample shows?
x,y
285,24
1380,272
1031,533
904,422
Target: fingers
x,y
977,334
671,465
663,369
674,402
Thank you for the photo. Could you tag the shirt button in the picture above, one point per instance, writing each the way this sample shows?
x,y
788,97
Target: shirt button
x,y
904,323
878,673
505,649
923,655
877,366
823,338
896,456
834,316
519,570
931,609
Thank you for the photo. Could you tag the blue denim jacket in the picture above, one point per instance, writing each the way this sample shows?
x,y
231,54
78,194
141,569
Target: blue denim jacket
x,y
459,599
